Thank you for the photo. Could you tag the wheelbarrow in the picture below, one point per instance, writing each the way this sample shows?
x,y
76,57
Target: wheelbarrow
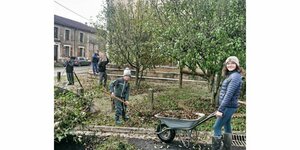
x,y
167,127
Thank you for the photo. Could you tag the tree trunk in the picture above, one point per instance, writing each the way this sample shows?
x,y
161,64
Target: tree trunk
x,y
137,73
211,82
58,76
243,89
216,88
211,87
140,78
180,78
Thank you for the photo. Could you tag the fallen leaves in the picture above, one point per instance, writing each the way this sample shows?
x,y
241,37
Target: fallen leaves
x,y
180,114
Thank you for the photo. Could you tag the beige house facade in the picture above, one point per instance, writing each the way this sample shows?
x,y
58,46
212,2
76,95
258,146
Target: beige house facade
x,y
72,38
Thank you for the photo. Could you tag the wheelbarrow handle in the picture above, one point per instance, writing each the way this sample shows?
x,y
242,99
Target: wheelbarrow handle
x,y
211,115
205,119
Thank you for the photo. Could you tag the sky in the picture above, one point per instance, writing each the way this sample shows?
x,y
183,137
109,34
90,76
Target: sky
x,y
88,9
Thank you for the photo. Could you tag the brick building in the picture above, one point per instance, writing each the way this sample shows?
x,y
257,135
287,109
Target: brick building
x,y
72,38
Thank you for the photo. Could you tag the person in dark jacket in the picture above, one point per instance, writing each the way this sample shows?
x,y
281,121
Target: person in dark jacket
x,y
95,60
103,61
228,103
69,65
120,88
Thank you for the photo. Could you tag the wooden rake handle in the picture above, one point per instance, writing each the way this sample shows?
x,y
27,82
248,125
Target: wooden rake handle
x,y
119,99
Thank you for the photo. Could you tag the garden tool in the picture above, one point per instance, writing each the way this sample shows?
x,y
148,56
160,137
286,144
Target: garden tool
x,y
77,79
119,99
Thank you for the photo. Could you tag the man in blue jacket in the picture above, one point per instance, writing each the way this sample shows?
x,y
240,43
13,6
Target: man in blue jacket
x,y
95,60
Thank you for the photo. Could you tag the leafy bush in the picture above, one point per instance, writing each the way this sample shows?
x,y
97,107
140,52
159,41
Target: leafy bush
x,y
70,110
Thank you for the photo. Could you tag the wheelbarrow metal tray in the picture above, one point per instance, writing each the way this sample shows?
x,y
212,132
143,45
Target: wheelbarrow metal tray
x,y
179,123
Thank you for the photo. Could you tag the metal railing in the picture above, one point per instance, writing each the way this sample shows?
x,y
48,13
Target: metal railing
x,y
239,140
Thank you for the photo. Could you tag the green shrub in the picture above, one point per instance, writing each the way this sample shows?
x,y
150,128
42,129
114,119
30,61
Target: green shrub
x,y
70,111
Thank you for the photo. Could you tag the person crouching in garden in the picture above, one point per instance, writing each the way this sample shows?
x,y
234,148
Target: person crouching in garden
x,y
228,100
69,65
120,88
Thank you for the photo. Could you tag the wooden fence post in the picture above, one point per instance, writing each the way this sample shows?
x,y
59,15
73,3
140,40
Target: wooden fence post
x,y
58,76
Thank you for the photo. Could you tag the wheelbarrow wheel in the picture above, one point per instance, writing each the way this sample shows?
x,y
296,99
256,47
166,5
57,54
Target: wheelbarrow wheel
x,y
166,136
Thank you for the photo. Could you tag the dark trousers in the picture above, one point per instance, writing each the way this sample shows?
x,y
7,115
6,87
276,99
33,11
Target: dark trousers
x,y
120,109
70,78
103,78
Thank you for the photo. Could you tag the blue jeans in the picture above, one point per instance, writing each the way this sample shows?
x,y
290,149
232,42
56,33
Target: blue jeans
x,y
95,68
225,121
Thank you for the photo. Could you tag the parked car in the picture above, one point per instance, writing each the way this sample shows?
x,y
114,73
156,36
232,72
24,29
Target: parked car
x,y
81,61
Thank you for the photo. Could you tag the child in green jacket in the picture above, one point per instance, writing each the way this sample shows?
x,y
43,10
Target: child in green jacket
x,y
120,88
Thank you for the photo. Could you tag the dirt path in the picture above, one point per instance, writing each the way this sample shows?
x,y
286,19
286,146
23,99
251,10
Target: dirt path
x,y
142,144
